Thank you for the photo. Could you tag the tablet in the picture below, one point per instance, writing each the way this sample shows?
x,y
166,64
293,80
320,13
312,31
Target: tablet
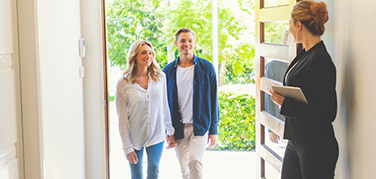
x,y
291,92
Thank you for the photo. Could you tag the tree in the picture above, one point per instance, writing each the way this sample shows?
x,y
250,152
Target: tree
x,y
131,20
197,15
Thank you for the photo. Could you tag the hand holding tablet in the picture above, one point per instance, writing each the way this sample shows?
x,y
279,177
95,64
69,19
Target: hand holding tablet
x,y
291,92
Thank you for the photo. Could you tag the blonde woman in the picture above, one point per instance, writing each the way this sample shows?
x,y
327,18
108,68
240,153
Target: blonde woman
x,y
142,109
312,150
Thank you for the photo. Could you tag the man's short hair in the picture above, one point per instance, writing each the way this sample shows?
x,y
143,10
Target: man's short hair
x,y
184,30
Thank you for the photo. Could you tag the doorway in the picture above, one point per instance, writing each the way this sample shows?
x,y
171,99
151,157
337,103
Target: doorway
x,y
274,50
235,73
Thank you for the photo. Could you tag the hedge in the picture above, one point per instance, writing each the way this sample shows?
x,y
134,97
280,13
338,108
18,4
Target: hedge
x,y
236,129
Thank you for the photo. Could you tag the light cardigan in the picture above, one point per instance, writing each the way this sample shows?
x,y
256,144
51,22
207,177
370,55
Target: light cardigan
x,y
143,114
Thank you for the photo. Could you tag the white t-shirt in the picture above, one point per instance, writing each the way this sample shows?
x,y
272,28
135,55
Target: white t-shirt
x,y
184,83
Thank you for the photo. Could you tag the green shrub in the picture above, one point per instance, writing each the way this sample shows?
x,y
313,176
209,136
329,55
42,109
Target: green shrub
x,y
112,98
236,129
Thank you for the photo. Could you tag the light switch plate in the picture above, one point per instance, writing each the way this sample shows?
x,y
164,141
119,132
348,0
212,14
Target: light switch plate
x,y
82,72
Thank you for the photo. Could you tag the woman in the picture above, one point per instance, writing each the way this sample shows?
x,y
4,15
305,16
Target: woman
x,y
312,150
142,108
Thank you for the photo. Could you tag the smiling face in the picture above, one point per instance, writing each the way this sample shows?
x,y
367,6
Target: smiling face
x,y
145,56
186,43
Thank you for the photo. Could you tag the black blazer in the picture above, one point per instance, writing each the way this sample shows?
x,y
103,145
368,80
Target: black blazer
x,y
315,74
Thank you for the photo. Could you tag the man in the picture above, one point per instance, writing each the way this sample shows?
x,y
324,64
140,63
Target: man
x,y
193,102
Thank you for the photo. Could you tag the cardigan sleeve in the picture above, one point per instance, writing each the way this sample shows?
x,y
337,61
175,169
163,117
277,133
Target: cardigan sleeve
x,y
122,113
323,106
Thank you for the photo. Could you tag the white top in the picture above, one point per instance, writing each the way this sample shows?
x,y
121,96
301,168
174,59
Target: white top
x,y
143,114
184,83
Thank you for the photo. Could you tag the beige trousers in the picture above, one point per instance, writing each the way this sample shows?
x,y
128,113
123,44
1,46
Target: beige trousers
x,y
190,151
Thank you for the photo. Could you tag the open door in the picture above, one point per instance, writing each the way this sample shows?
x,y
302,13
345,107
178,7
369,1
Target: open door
x,y
274,50
11,164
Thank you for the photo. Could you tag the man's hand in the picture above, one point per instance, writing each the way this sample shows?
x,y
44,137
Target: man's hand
x,y
170,139
273,137
132,157
212,139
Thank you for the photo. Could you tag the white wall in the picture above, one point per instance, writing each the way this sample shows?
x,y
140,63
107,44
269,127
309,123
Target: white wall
x,y
94,109
52,92
61,89
351,42
356,53
329,37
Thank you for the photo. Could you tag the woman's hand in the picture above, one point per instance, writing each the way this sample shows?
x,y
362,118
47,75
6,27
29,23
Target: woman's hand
x,y
132,157
171,141
276,98
273,137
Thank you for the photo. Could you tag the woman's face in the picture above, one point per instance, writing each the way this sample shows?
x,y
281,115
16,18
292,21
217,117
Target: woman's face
x,y
145,56
293,29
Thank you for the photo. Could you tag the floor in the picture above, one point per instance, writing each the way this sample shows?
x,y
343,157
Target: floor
x,y
217,164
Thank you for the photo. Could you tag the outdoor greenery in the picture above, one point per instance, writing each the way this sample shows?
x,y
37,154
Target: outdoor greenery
x,y
131,20
237,123
154,21
274,32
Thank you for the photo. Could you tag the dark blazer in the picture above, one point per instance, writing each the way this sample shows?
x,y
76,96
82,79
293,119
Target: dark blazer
x,y
315,74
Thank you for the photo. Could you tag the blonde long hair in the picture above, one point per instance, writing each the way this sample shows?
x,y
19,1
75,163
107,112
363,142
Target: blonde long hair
x,y
130,72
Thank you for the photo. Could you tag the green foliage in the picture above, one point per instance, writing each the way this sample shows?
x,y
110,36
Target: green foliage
x,y
197,15
270,3
237,122
131,20
274,32
246,6
241,71
151,20
112,98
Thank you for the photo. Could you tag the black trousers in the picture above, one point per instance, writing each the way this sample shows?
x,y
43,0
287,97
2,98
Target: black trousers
x,y
310,160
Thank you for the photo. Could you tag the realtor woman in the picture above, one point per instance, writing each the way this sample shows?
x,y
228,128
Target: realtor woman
x,y
312,150
142,108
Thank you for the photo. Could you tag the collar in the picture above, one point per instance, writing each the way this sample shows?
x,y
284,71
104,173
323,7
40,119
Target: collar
x,y
195,59
315,46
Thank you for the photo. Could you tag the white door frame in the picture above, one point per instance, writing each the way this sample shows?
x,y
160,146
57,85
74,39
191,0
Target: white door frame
x,y
30,92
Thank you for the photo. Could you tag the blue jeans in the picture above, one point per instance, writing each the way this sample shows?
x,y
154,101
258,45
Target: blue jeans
x,y
154,154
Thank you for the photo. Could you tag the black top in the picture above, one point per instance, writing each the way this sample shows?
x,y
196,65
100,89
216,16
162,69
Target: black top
x,y
315,74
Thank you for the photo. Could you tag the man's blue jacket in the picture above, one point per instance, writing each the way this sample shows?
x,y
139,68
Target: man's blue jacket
x,y
205,98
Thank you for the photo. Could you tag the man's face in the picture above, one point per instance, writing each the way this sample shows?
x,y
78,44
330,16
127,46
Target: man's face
x,y
186,43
